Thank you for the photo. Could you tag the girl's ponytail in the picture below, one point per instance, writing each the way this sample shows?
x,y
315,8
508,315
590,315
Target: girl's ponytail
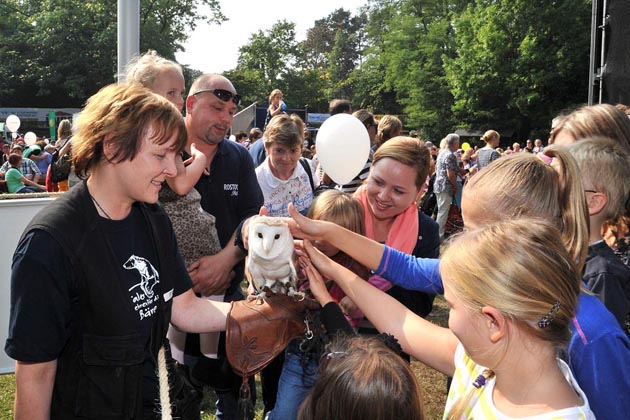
x,y
572,203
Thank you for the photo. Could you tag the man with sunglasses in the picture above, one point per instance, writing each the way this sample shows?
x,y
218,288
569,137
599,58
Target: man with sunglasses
x,y
231,193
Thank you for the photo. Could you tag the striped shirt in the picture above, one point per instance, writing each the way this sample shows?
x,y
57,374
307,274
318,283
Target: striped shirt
x,y
27,167
358,180
482,406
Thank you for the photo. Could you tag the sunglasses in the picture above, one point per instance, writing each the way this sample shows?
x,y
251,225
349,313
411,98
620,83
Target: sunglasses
x,y
224,95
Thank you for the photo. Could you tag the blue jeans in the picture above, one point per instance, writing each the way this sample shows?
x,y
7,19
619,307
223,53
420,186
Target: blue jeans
x,y
296,381
28,189
458,195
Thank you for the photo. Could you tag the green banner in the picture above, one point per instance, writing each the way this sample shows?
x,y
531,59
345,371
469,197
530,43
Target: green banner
x,y
52,126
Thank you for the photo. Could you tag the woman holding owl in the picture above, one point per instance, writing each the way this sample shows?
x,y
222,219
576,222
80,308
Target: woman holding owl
x,y
97,276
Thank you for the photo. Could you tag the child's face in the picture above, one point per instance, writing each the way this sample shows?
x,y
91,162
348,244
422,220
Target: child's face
x,y
471,211
326,248
170,84
469,328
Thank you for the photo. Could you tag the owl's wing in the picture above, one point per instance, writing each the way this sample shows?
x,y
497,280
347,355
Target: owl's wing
x,y
255,274
294,276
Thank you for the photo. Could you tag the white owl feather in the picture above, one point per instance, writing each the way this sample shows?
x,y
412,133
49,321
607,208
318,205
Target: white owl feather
x,y
271,256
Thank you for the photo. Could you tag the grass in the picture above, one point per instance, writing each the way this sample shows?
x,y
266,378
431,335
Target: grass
x,y
432,383
7,393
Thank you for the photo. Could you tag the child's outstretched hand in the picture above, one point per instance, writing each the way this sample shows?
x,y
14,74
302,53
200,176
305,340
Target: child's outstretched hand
x,y
303,227
315,281
320,261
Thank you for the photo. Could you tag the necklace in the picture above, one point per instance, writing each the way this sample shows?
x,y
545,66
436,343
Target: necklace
x,y
100,207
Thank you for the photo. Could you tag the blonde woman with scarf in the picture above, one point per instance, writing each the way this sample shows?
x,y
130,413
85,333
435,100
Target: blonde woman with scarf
x,y
397,178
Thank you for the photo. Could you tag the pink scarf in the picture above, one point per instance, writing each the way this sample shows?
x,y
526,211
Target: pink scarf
x,y
403,235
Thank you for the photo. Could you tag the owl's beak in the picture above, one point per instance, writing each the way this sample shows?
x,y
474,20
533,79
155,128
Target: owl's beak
x,y
267,243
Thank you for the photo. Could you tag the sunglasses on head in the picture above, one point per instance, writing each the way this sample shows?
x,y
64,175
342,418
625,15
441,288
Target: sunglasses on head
x,y
224,95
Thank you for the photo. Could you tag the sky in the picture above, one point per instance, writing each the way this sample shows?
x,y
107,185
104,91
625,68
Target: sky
x,y
214,48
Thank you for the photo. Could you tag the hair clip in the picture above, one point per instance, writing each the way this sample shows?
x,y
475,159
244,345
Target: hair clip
x,y
334,354
391,342
544,158
546,320
479,382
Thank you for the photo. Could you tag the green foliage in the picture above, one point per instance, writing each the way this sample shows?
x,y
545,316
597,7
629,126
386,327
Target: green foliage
x,y
268,56
419,38
59,52
442,64
518,62
7,395
309,73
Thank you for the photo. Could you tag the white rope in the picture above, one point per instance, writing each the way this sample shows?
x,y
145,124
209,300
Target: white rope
x,y
165,399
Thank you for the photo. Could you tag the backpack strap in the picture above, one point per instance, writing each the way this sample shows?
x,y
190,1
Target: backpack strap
x,y
307,168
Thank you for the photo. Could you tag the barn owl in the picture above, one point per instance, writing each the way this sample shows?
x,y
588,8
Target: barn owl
x,y
271,254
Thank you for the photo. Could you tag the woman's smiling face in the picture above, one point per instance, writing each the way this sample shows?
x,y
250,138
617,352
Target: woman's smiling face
x,y
391,188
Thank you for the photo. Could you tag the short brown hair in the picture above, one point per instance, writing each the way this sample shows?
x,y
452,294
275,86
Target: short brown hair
x,y
604,164
339,106
388,127
408,151
286,130
123,114
14,159
362,378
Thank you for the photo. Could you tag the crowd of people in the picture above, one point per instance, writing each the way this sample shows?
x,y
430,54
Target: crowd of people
x,y
120,288
29,168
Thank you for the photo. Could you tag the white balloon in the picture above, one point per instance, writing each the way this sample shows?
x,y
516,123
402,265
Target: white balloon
x,y
30,138
343,147
12,123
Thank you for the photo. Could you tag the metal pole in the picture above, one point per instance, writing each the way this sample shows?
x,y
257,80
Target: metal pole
x,y
593,66
602,61
128,33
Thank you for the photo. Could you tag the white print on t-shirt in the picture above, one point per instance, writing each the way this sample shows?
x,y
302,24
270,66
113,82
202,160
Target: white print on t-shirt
x,y
231,187
144,303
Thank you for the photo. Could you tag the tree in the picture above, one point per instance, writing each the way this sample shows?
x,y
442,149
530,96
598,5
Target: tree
x,y
63,51
420,36
334,47
368,79
519,62
267,58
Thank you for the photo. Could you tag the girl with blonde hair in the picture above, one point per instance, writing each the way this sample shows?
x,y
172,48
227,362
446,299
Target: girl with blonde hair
x,y
344,210
508,319
389,126
162,76
597,346
276,106
302,356
602,120
489,152
63,145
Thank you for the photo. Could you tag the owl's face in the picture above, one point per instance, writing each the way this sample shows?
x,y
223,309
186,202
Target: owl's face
x,y
270,238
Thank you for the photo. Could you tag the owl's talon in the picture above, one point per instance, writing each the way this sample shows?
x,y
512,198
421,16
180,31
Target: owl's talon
x,y
293,293
260,299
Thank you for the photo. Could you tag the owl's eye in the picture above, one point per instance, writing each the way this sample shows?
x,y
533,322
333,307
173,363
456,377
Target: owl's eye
x,y
277,236
260,235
